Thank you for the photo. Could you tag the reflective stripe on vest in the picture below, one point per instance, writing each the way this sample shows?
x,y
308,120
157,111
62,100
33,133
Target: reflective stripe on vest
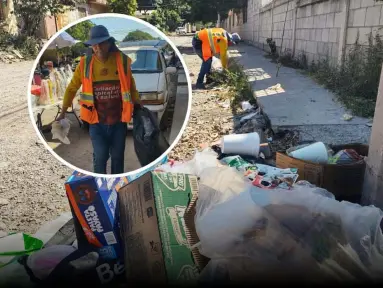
x,y
211,41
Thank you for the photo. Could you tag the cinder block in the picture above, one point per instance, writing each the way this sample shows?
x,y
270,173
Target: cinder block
x,y
320,7
325,35
372,16
338,20
312,35
326,48
367,3
352,33
310,22
355,4
330,20
327,7
364,34
320,47
334,50
318,34
322,21
309,11
333,37
359,17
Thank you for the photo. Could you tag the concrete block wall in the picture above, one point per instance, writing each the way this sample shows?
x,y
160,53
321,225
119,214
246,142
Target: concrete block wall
x,y
365,17
317,28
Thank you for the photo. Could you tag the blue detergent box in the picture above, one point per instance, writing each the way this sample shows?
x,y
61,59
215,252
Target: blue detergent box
x,y
94,204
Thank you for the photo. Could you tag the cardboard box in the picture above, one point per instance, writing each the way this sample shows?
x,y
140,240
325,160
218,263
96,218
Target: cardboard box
x,y
344,181
155,236
94,203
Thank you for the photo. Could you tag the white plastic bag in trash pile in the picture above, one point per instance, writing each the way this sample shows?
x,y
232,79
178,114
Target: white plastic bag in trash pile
x,y
264,231
202,160
60,130
216,64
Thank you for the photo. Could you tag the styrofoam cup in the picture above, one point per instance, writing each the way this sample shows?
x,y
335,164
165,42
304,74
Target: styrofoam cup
x,y
242,144
316,152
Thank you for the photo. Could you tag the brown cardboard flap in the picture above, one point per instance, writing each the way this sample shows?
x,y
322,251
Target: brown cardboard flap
x,y
140,233
307,171
190,230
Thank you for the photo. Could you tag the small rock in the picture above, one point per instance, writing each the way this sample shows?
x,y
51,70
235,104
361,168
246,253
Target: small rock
x,y
4,202
347,117
191,75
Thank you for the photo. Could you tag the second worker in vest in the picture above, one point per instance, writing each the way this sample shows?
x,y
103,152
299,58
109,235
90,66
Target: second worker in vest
x,y
107,99
211,42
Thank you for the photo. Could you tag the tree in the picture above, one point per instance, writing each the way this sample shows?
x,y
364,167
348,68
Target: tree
x,y
207,11
81,30
128,7
138,35
32,12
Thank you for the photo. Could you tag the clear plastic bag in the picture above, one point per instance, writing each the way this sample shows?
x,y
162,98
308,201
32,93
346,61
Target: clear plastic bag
x,y
201,161
60,130
296,230
216,64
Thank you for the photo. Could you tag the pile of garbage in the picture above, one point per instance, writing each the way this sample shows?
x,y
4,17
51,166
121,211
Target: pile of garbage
x,y
226,216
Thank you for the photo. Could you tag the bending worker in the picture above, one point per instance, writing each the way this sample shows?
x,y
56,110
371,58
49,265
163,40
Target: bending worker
x,y
211,42
107,99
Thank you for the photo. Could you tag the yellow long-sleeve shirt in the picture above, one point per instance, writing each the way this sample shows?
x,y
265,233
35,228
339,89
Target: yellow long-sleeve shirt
x,y
106,89
223,47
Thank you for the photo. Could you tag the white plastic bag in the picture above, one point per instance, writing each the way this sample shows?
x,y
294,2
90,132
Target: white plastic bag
x,y
216,64
60,130
44,261
261,231
201,161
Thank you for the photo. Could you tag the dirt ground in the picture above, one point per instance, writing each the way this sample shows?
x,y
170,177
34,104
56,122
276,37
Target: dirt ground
x,y
31,179
210,117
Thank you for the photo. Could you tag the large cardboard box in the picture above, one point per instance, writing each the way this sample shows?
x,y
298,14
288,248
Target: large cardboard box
x,y
344,181
157,241
94,203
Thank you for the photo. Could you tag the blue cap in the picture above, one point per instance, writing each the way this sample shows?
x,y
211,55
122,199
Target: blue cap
x,y
98,34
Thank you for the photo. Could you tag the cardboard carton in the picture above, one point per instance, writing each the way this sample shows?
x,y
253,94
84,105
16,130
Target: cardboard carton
x,y
344,181
155,236
94,203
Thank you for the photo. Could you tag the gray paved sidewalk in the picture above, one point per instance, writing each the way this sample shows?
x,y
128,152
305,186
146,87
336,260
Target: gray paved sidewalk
x,y
298,101
294,100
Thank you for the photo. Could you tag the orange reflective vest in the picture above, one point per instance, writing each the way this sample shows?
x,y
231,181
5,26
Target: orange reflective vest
x,y
88,111
209,38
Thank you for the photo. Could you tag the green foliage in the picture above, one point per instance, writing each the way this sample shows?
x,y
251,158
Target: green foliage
x,y
239,87
28,46
81,30
138,35
356,82
165,19
207,11
33,12
128,7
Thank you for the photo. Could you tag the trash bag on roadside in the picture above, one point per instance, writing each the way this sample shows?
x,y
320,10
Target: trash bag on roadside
x,y
286,233
146,135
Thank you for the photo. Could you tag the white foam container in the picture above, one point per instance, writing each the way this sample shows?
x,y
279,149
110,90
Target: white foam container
x,y
242,144
316,153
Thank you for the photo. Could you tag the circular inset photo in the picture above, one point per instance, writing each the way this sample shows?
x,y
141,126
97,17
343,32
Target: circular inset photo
x,y
109,95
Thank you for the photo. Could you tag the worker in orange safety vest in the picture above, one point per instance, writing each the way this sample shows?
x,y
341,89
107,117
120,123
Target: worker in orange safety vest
x,y
107,98
211,42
